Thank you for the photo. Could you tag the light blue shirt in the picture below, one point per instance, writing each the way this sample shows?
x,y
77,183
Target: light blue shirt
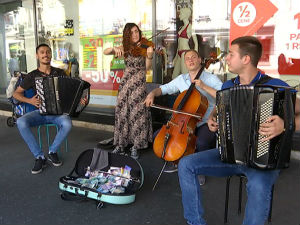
x,y
183,82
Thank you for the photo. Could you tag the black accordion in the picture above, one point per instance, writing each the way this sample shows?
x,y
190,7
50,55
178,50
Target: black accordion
x,y
240,111
62,95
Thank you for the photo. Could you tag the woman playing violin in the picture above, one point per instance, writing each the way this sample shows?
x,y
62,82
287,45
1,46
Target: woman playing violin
x,y
133,125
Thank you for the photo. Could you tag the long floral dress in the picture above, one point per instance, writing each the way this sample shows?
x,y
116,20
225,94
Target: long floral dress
x,y
133,124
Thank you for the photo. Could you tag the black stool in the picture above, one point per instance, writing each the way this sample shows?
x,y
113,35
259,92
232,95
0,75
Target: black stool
x,y
242,177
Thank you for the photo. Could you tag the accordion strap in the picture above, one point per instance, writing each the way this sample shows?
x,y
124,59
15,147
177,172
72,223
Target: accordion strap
x,y
264,79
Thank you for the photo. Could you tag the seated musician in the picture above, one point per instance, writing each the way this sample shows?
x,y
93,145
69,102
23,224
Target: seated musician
x,y
34,118
242,59
297,113
207,84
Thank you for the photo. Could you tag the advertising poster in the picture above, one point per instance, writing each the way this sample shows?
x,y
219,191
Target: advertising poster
x,y
287,39
103,72
101,26
277,25
248,16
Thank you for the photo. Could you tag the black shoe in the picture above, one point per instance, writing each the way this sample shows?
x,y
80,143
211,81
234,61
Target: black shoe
x,y
171,168
38,165
53,158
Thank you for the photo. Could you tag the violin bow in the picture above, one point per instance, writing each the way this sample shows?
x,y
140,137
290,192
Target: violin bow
x,y
159,33
176,111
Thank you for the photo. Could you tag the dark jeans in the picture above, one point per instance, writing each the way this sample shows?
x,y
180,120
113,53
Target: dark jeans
x,y
205,138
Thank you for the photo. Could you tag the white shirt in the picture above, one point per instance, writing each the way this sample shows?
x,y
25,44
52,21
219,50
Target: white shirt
x,y
183,82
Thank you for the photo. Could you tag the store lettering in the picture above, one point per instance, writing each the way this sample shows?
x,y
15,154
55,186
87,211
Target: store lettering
x,y
97,76
293,46
243,20
294,42
96,43
294,37
103,76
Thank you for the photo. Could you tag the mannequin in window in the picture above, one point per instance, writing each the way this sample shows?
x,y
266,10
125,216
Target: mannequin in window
x,y
184,34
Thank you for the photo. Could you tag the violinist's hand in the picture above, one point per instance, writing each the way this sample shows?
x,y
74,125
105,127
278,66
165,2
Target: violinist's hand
x,y
199,83
149,99
118,51
272,127
212,123
150,52
35,101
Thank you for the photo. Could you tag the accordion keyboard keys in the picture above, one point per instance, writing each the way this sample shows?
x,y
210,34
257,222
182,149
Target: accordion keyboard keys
x,y
266,111
40,93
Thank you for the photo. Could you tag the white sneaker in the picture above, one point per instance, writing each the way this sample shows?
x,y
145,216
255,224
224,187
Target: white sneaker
x,y
134,153
118,150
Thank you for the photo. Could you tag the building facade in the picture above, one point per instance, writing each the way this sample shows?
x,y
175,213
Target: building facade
x,y
79,30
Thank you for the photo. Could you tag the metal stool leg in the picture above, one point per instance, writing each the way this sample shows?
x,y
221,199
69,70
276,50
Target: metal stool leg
x,y
271,205
48,135
240,195
226,199
47,127
66,145
39,136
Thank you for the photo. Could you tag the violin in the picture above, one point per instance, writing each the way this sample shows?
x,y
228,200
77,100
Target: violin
x,y
141,48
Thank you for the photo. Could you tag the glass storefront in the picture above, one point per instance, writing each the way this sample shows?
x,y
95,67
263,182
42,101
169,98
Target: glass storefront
x,y
17,42
79,30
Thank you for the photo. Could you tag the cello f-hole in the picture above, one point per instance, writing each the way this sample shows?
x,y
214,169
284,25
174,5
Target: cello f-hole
x,y
182,127
167,136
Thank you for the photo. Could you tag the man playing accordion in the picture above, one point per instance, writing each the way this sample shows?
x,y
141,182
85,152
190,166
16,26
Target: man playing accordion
x,y
242,59
34,118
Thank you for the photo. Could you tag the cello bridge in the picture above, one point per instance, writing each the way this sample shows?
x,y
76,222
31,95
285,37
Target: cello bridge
x,y
171,123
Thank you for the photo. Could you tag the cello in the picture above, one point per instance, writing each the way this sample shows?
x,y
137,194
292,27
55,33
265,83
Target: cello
x,y
177,137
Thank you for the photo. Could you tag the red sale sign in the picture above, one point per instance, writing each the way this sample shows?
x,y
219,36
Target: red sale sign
x,y
287,41
248,16
103,80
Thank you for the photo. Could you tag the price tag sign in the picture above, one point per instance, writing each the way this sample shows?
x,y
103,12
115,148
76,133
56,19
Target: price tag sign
x,y
248,16
244,14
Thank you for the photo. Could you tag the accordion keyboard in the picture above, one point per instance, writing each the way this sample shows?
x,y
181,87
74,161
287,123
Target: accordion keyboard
x,y
266,110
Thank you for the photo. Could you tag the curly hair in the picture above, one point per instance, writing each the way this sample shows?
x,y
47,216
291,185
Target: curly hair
x,y
128,46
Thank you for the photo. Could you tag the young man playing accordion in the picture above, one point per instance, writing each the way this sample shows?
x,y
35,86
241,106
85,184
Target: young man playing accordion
x,y
34,118
242,59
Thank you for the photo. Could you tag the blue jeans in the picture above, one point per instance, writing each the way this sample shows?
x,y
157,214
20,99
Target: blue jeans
x,y
33,119
208,163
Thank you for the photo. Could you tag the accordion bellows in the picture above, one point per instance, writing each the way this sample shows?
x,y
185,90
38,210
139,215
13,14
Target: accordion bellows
x,y
62,95
240,111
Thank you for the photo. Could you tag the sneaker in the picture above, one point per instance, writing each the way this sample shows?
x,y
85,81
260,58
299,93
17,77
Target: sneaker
x,y
118,150
171,168
38,165
201,179
134,153
53,158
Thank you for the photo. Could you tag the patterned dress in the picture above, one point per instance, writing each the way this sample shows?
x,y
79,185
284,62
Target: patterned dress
x,y
133,123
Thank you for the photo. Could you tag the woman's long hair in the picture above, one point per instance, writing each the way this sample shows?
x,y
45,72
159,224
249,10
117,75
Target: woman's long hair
x,y
127,45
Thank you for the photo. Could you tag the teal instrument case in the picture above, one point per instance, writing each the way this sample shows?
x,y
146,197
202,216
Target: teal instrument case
x,y
71,190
